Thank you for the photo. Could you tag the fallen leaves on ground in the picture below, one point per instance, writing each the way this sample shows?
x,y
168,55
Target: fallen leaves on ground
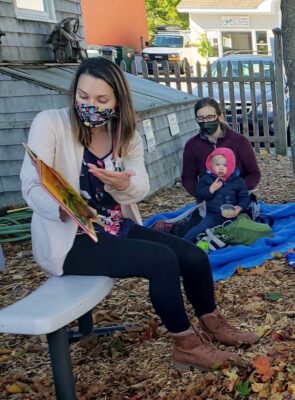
x,y
136,365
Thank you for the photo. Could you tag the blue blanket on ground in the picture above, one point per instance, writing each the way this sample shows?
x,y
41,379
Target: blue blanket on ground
x,y
224,262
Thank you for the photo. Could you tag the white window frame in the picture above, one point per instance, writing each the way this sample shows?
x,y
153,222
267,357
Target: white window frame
x,y
33,15
267,39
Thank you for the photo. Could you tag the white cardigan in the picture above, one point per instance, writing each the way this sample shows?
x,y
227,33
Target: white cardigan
x,y
51,138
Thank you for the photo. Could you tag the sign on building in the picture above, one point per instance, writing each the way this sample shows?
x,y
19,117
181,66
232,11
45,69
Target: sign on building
x,y
235,22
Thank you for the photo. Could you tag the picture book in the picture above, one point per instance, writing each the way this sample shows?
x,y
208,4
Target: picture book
x,y
65,195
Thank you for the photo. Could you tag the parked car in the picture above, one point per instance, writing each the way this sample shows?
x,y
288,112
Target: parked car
x,y
170,44
245,60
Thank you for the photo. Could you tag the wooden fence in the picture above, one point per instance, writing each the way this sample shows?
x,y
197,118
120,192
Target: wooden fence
x,y
252,94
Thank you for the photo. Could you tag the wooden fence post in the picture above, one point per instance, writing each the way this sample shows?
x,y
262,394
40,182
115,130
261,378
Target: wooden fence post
x,y
223,84
281,131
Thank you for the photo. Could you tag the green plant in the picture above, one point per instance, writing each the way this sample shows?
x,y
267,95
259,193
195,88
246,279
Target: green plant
x,y
243,389
163,12
205,48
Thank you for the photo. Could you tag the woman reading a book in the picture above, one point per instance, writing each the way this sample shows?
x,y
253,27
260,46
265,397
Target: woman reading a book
x,y
93,144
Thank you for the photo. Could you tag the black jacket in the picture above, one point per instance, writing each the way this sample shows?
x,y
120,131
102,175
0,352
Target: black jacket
x,y
233,191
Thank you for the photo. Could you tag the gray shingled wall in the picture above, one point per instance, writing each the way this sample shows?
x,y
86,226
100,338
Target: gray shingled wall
x,y
19,102
26,40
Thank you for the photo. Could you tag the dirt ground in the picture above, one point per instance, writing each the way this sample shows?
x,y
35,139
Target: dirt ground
x,y
137,364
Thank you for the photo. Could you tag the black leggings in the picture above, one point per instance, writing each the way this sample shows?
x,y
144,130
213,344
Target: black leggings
x,y
159,257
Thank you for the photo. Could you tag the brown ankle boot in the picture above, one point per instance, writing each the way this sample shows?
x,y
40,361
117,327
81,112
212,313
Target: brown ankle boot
x,y
215,325
193,350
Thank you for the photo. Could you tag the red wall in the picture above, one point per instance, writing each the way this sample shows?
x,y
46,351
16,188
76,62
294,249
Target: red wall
x,y
115,22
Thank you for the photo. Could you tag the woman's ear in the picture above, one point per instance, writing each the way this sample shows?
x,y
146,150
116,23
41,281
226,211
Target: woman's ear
x,y
221,118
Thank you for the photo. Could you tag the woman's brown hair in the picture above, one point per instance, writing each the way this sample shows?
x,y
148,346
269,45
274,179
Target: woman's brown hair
x,y
122,126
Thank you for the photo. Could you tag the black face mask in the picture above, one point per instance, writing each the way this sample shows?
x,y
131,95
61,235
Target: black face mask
x,y
209,128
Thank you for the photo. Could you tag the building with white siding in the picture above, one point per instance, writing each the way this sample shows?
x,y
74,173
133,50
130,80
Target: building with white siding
x,y
233,25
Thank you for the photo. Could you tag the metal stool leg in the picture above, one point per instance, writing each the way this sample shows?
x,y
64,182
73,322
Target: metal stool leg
x,y
61,364
86,328
86,323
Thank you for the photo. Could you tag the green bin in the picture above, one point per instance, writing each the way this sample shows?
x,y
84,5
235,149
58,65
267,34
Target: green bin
x,y
125,54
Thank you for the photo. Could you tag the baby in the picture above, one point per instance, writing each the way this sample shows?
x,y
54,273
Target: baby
x,y
220,185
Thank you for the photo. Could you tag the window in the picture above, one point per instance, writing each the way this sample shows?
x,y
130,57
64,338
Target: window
x,y
261,42
245,68
35,10
168,41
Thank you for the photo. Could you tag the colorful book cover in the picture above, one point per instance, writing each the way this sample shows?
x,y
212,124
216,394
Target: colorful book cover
x,y
65,195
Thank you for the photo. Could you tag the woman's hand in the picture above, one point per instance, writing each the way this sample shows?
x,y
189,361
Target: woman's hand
x,y
117,180
216,185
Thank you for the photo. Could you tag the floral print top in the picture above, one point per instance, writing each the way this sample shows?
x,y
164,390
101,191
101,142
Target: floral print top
x,y
92,190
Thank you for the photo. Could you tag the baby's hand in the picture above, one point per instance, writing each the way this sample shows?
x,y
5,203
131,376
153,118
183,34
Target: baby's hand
x,y
237,211
216,185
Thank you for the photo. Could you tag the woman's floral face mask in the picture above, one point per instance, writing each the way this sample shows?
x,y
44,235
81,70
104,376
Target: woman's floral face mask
x,y
92,116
